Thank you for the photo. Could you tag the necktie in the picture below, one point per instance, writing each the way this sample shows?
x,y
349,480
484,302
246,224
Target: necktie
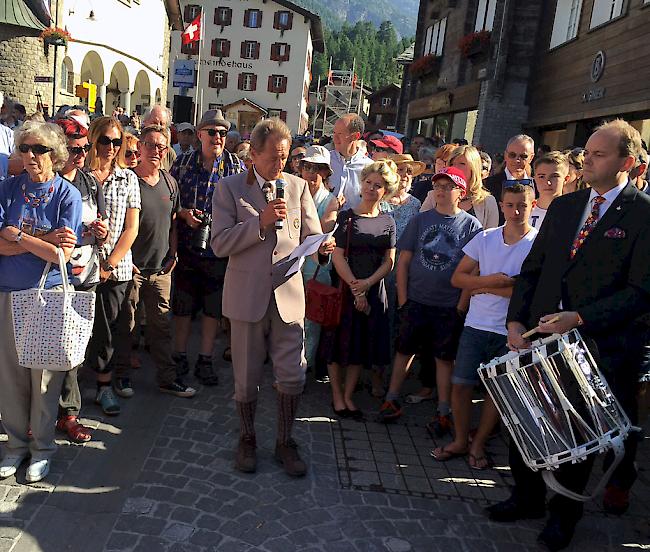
x,y
588,226
267,190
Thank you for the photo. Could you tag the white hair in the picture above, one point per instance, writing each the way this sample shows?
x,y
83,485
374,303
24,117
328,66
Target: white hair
x,y
147,113
521,138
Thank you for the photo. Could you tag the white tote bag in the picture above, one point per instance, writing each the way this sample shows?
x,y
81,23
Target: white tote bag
x,y
52,327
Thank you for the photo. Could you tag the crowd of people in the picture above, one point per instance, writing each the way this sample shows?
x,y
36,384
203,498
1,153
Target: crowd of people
x,y
445,257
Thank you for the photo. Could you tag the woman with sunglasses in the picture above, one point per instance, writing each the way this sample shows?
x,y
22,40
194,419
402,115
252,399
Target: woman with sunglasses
x,y
39,213
122,194
131,155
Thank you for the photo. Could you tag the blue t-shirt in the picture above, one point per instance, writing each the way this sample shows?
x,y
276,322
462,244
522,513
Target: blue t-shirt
x,y
63,208
436,242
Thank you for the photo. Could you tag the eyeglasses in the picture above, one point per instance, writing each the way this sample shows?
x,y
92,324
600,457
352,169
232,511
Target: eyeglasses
x,y
152,145
405,170
106,141
485,168
445,187
131,153
518,157
78,150
522,181
38,149
212,132
312,167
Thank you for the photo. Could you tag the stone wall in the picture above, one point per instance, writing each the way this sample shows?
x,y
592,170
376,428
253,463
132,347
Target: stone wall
x,y
22,57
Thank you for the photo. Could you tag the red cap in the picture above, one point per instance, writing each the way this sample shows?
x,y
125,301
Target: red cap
x,y
455,175
389,142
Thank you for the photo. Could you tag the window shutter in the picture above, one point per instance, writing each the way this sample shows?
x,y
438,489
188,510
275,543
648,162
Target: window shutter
x,y
276,20
224,81
283,116
213,50
216,16
240,81
270,85
283,86
211,79
287,49
186,13
290,21
254,82
225,48
257,51
228,20
243,49
259,18
274,52
247,18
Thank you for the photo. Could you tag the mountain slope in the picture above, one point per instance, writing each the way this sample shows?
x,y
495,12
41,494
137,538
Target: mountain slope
x,y
403,13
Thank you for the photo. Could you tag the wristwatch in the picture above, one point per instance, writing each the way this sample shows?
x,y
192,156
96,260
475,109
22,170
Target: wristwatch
x,y
108,267
18,236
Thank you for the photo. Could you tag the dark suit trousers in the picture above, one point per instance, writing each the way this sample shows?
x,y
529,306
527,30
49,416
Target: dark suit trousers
x,y
619,360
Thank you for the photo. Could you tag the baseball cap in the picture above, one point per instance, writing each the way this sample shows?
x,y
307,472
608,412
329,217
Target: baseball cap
x,y
389,142
182,127
453,174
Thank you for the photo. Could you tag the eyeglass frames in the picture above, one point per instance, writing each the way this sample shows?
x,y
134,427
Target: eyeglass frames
x,y
152,145
518,156
38,149
78,150
106,141
131,153
312,167
212,132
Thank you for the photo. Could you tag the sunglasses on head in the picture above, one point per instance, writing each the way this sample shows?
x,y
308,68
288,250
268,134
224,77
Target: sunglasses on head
x,y
519,157
78,150
105,141
38,149
212,132
523,182
131,153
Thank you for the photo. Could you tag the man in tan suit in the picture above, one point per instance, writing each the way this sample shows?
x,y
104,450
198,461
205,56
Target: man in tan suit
x,y
266,310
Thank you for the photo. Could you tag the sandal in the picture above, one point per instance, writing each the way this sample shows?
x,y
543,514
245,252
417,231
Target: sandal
x,y
441,454
76,432
479,462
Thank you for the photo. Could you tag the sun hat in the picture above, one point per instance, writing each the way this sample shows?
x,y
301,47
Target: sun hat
x,y
318,155
418,167
453,174
389,142
213,117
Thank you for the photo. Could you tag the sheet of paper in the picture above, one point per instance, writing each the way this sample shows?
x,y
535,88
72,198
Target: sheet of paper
x,y
308,247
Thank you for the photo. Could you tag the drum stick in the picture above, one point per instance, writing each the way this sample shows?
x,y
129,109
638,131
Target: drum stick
x,y
536,328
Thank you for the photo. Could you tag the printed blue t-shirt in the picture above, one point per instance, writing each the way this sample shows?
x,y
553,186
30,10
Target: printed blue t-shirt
x,y
63,208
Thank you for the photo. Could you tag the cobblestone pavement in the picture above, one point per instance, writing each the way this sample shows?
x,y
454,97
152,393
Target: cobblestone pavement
x,y
160,478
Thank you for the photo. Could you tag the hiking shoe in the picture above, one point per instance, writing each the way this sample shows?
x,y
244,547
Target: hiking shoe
x,y
178,389
246,457
123,387
389,412
287,455
107,400
205,372
182,366
440,425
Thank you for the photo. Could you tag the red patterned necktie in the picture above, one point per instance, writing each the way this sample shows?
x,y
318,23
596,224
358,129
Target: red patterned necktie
x,y
588,226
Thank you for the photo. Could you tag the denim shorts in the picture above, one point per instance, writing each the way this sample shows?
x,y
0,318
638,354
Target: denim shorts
x,y
476,347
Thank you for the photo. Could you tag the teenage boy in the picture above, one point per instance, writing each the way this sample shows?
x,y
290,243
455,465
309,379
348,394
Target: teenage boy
x,y
551,173
497,255
430,309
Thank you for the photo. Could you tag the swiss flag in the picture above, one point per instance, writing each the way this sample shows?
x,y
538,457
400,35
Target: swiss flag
x,y
193,31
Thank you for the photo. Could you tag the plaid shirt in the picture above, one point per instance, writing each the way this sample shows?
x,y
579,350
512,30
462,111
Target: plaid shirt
x,y
121,192
196,186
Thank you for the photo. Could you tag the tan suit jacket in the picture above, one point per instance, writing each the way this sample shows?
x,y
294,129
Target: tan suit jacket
x,y
251,276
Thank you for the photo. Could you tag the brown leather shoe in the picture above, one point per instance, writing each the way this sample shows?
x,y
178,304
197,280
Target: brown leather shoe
x,y
246,459
287,455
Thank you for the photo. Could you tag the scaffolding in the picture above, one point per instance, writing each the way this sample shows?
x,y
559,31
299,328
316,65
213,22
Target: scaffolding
x,y
340,95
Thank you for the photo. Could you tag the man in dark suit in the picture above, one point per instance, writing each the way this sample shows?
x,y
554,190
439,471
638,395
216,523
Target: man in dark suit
x,y
589,268
518,157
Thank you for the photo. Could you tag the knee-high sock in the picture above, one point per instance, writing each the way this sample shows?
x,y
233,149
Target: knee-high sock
x,y
246,411
287,408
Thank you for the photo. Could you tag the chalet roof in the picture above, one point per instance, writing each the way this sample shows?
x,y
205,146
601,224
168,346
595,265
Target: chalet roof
x,y
383,89
248,102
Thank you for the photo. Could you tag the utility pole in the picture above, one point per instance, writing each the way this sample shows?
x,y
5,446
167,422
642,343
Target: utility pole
x,y
56,50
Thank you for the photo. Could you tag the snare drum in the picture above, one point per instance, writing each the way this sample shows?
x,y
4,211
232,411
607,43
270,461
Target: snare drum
x,y
555,402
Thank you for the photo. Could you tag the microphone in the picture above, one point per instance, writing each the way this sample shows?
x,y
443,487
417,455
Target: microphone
x,y
279,194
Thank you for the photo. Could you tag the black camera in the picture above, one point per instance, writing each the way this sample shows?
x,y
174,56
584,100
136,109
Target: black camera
x,y
201,236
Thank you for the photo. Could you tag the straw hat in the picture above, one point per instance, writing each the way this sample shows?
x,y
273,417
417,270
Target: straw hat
x,y
418,167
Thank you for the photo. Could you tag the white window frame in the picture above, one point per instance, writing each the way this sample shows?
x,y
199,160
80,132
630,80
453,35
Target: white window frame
x,y
282,50
283,18
195,10
485,15
250,49
218,78
277,82
221,42
385,101
223,13
274,113
566,21
434,39
247,85
605,11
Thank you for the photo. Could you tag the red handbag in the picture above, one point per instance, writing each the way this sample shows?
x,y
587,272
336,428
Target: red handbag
x,y
324,303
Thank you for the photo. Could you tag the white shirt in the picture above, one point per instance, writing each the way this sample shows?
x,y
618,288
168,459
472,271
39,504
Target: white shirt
x,y
6,140
488,312
510,177
179,151
261,181
346,176
609,196
537,217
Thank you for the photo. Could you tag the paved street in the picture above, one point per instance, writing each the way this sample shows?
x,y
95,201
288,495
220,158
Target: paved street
x,y
160,478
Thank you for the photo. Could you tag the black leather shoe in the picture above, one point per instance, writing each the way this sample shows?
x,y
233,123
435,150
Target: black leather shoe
x,y
557,533
513,510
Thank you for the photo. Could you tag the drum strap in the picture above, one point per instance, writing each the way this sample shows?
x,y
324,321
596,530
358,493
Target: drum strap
x,y
618,447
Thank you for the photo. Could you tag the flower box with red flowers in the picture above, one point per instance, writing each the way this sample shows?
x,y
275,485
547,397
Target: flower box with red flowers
x,y
425,65
55,36
475,45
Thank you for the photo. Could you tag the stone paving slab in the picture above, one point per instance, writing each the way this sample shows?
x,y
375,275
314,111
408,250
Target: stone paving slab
x,y
160,478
